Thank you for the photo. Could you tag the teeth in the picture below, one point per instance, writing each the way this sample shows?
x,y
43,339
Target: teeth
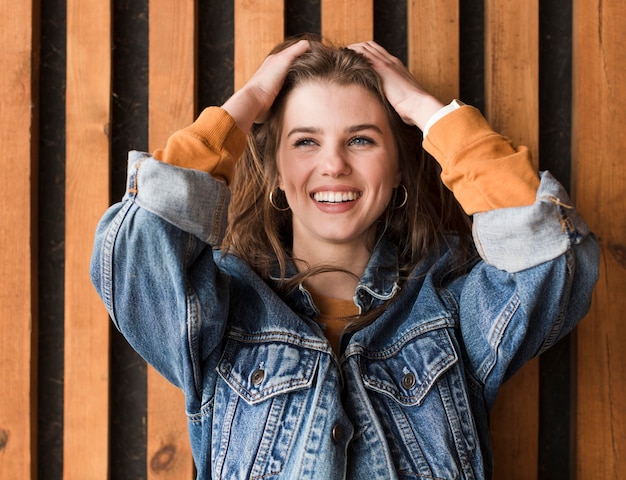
x,y
335,197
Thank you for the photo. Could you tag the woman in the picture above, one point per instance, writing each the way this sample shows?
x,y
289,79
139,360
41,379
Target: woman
x,y
348,326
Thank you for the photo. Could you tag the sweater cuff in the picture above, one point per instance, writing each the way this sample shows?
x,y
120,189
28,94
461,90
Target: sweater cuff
x,y
480,166
212,144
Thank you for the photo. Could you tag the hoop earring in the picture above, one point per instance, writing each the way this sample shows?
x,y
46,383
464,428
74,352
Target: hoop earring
x,y
406,197
276,207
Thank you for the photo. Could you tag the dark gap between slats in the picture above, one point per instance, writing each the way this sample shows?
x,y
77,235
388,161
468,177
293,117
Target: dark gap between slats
x,y
472,53
302,16
129,131
215,52
51,240
555,111
390,27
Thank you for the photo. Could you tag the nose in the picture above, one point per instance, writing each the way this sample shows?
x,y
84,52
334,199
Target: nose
x,y
335,162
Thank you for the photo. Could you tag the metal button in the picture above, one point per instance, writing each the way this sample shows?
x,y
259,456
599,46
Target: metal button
x,y
337,432
257,376
408,381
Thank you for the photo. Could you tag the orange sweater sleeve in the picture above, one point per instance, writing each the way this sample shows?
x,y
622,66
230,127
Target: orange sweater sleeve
x,y
480,166
213,143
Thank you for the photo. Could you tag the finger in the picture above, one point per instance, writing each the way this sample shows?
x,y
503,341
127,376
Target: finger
x,y
275,66
376,53
294,51
268,79
371,48
360,47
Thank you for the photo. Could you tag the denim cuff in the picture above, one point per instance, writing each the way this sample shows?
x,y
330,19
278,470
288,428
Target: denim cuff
x,y
189,199
515,239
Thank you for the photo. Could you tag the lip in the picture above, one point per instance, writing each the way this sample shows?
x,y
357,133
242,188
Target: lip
x,y
334,188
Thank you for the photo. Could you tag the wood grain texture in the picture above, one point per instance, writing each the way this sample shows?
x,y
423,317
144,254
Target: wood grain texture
x,y
259,26
86,356
515,425
433,22
172,92
512,108
599,172
18,250
512,70
347,21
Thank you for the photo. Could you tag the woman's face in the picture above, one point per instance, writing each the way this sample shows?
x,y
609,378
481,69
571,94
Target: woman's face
x,y
337,164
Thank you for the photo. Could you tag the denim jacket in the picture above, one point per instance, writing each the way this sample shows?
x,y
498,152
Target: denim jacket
x,y
266,397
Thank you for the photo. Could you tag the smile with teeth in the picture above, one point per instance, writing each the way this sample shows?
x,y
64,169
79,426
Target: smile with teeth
x,y
335,197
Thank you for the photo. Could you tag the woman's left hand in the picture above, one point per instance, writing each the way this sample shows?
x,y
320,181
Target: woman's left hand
x,y
414,104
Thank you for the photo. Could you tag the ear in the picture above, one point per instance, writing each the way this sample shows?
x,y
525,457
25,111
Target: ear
x,y
397,178
279,176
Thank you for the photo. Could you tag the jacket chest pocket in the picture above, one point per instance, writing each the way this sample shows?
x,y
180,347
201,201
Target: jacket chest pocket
x,y
259,371
422,410
408,369
258,412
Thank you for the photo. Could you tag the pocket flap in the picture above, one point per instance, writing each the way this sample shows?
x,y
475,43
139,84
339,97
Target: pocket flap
x,y
407,370
258,371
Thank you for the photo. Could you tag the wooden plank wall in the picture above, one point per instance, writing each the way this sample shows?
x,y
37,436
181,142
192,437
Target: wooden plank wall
x,y
512,107
598,148
18,251
171,105
86,345
490,53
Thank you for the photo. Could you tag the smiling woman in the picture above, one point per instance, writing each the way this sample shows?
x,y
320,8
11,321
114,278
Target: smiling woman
x,y
331,130
338,176
342,333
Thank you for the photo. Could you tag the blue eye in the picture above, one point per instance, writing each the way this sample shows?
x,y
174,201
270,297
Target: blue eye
x,y
360,140
304,142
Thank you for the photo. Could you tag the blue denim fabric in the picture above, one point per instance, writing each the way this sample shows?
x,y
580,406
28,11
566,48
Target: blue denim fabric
x,y
266,398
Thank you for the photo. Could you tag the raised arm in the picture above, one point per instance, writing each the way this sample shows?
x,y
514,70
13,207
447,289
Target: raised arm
x,y
216,140
252,102
414,104
481,167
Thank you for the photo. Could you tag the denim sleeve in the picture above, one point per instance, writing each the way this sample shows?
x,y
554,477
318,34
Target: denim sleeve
x,y
540,264
192,200
151,250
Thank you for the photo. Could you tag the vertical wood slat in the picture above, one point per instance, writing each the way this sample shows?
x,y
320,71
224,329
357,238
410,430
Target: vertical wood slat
x,y
18,257
599,170
512,107
347,21
434,22
172,91
259,26
86,356
512,70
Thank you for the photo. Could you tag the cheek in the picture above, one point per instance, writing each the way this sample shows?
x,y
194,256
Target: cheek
x,y
292,172
388,176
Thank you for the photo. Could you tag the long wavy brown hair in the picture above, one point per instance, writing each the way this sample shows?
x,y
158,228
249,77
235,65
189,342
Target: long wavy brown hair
x,y
262,235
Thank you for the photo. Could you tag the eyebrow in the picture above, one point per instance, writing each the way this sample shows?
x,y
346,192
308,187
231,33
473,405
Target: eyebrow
x,y
352,129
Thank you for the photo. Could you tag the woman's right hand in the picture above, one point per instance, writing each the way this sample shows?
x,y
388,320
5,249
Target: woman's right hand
x,y
253,101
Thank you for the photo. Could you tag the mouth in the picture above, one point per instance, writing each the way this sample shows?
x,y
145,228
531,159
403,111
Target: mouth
x,y
335,197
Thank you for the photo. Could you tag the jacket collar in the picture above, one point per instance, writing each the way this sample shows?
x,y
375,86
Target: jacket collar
x,y
378,283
